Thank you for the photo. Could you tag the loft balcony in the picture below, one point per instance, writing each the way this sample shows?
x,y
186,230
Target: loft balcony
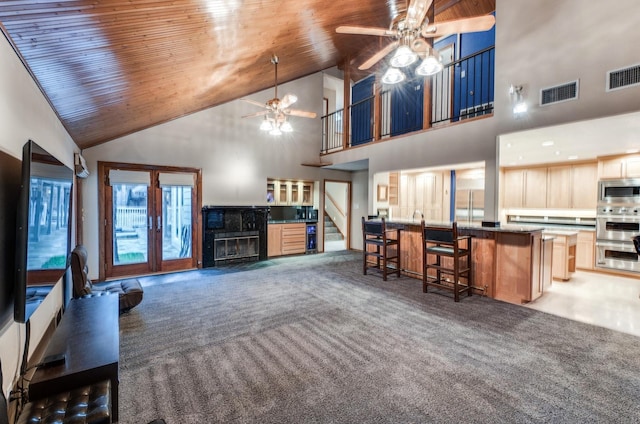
x,y
463,90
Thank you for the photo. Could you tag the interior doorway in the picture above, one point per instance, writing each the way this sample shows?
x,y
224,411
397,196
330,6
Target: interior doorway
x,y
336,215
150,216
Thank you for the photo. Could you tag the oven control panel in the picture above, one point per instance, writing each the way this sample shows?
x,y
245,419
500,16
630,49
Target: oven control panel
x,y
619,210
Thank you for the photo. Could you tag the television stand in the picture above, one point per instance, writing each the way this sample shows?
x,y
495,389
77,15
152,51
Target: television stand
x,y
88,337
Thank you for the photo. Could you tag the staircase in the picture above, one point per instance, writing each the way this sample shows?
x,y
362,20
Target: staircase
x,y
331,232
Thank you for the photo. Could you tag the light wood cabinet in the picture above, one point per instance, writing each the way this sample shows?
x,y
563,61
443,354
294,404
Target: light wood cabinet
x,y
274,239
290,193
513,184
584,186
585,250
620,167
518,271
564,254
535,188
286,239
393,189
553,187
559,187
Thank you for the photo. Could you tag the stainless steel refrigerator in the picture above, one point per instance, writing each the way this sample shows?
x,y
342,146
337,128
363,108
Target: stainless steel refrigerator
x,y
469,200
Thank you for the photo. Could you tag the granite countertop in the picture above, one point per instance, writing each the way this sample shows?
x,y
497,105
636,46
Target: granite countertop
x,y
508,228
291,221
555,232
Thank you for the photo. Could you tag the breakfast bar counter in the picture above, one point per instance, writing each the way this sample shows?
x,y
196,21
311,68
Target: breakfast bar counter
x,y
507,260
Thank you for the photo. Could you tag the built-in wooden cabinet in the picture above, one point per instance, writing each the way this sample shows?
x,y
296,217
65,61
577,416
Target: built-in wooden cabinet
x,y
552,187
564,253
620,167
290,193
525,188
585,250
286,239
393,189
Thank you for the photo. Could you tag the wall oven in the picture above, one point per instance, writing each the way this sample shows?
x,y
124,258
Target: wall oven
x,y
623,191
619,256
617,226
617,223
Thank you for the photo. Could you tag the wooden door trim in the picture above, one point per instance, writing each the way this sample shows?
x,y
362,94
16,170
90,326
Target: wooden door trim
x,y
196,233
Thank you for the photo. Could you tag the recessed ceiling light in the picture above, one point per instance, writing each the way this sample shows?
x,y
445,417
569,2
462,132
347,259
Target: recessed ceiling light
x,y
508,144
519,157
557,152
633,151
547,143
572,157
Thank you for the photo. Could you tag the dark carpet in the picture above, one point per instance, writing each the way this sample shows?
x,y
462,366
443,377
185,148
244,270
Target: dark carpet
x,y
311,340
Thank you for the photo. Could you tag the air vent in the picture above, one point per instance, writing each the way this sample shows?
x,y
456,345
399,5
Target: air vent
x,y
559,93
623,78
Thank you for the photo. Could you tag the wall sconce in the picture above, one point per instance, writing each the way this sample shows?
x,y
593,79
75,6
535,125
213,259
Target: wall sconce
x,y
519,105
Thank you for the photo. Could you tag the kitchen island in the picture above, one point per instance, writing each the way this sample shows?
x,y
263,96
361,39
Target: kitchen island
x,y
507,260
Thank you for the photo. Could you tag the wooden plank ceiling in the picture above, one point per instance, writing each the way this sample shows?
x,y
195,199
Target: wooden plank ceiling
x,y
113,67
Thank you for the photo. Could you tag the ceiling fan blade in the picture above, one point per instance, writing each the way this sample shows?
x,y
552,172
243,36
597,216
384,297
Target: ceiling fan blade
x,y
288,100
416,12
301,113
376,57
478,23
252,115
253,102
382,32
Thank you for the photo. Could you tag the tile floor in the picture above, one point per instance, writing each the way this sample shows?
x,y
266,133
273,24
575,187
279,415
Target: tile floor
x,y
594,298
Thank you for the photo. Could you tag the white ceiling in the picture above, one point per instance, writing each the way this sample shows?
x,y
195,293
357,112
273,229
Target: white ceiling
x,y
583,140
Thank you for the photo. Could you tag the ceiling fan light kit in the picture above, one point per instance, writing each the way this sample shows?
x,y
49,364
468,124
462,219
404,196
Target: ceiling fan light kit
x,y
411,32
276,110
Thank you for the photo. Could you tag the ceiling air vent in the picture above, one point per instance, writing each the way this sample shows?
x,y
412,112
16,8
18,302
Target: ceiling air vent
x,y
623,78
559,93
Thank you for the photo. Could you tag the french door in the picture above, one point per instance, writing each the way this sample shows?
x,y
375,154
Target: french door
x,y
149,216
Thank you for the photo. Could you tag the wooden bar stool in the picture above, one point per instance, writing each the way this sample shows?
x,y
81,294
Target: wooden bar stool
x,y
449,254
387,250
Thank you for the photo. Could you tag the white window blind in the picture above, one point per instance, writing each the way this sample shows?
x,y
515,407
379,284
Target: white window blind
x,y
177,179
118,176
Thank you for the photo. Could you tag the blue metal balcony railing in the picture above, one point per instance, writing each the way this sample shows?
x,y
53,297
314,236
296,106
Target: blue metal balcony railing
x,y
464,89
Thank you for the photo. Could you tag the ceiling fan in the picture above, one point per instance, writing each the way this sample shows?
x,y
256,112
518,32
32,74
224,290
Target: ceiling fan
x,y
411,32
277,110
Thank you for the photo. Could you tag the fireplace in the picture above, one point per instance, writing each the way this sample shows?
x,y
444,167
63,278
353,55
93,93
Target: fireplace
x,y
234,234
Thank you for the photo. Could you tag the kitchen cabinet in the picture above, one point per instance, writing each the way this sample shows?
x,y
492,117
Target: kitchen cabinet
x,y
552,187
585,249
274,240
393,189
546,263
290,193
564,253
584,186
620,167
518,271
559,187
286,239
525,188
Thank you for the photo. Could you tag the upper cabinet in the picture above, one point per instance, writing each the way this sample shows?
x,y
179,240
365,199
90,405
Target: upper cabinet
x,y
620,167
290,193
552,187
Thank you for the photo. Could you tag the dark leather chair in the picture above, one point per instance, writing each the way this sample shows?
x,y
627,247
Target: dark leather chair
x,y
446,257
636,243
378,245
129,291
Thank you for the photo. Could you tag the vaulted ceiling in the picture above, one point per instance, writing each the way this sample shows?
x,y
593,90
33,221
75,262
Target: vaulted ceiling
x,y
113,67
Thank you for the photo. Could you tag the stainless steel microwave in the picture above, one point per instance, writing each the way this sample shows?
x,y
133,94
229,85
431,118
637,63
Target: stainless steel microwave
x,y
619,191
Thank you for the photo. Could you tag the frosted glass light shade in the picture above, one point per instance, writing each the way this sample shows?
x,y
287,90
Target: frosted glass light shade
x,y
393,76
403,56
429,66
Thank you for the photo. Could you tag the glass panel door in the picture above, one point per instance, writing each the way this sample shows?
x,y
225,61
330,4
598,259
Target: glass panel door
x,y
130,224
176,222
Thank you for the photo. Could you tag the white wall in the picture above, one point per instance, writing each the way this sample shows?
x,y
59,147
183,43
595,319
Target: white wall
x,y
25,114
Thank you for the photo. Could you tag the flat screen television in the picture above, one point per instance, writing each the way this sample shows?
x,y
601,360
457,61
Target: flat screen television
x,y
43,237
